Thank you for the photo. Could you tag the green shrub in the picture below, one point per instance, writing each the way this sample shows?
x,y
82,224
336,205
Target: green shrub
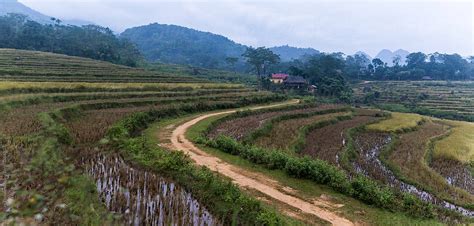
x,y
372,193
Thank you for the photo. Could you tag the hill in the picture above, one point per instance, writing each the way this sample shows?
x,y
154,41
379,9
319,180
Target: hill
x,y
388,56
181,45
89,41
288,53
13,6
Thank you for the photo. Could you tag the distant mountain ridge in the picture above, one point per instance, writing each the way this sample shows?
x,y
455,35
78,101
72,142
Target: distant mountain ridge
x,y
388,56
13,6
181,45
288,53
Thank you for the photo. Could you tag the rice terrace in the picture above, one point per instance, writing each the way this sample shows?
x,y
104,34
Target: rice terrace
x,y
167,125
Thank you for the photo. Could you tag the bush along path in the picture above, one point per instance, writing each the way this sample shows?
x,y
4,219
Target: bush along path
x,y
247,179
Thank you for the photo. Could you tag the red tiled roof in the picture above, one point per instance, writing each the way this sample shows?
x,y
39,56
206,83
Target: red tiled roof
x,y
280,76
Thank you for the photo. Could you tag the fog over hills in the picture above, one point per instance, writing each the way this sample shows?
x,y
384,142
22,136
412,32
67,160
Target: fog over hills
x,y
13,6
182,45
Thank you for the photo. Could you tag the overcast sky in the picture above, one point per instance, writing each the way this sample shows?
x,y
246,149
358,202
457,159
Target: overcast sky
x,y
330,26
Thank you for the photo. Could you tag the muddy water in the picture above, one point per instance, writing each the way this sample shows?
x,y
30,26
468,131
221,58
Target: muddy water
x,y
369,164
143,198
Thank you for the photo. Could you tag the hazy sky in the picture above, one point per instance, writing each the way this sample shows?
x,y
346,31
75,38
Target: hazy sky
x,y
346,26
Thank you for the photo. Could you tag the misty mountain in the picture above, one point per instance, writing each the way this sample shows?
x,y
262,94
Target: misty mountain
x,y
388,56
181,45
288,53
13,6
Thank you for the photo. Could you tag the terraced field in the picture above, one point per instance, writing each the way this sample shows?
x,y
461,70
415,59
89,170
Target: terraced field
x,y
385,158
66,126
453,100
75,151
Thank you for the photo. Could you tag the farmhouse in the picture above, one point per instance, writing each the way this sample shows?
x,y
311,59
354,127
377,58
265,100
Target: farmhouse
x,y
278,78
295,82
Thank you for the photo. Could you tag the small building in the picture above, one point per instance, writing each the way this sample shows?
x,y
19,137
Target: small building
x,y
278,78
295,82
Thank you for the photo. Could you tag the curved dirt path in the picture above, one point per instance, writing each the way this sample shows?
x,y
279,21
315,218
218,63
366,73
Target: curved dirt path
x,y
251,180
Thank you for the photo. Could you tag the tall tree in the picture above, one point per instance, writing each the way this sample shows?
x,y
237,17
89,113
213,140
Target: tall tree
x,y
377,62
260,58
416,60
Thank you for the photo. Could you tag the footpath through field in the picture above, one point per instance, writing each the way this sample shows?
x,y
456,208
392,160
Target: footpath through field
x,y
246,179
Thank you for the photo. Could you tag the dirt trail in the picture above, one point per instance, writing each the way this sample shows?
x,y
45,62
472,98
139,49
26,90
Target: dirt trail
x,y
251,180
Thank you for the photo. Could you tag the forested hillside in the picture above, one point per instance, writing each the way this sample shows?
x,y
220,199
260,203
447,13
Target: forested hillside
x,y
91,41
180,45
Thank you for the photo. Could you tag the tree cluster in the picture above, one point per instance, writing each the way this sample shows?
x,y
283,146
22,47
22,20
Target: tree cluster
x,y
89,41
418,66
260,58
328,72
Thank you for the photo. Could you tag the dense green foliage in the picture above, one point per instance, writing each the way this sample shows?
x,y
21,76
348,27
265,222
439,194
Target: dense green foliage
x,y
326,71
180,45
260,58
89,41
